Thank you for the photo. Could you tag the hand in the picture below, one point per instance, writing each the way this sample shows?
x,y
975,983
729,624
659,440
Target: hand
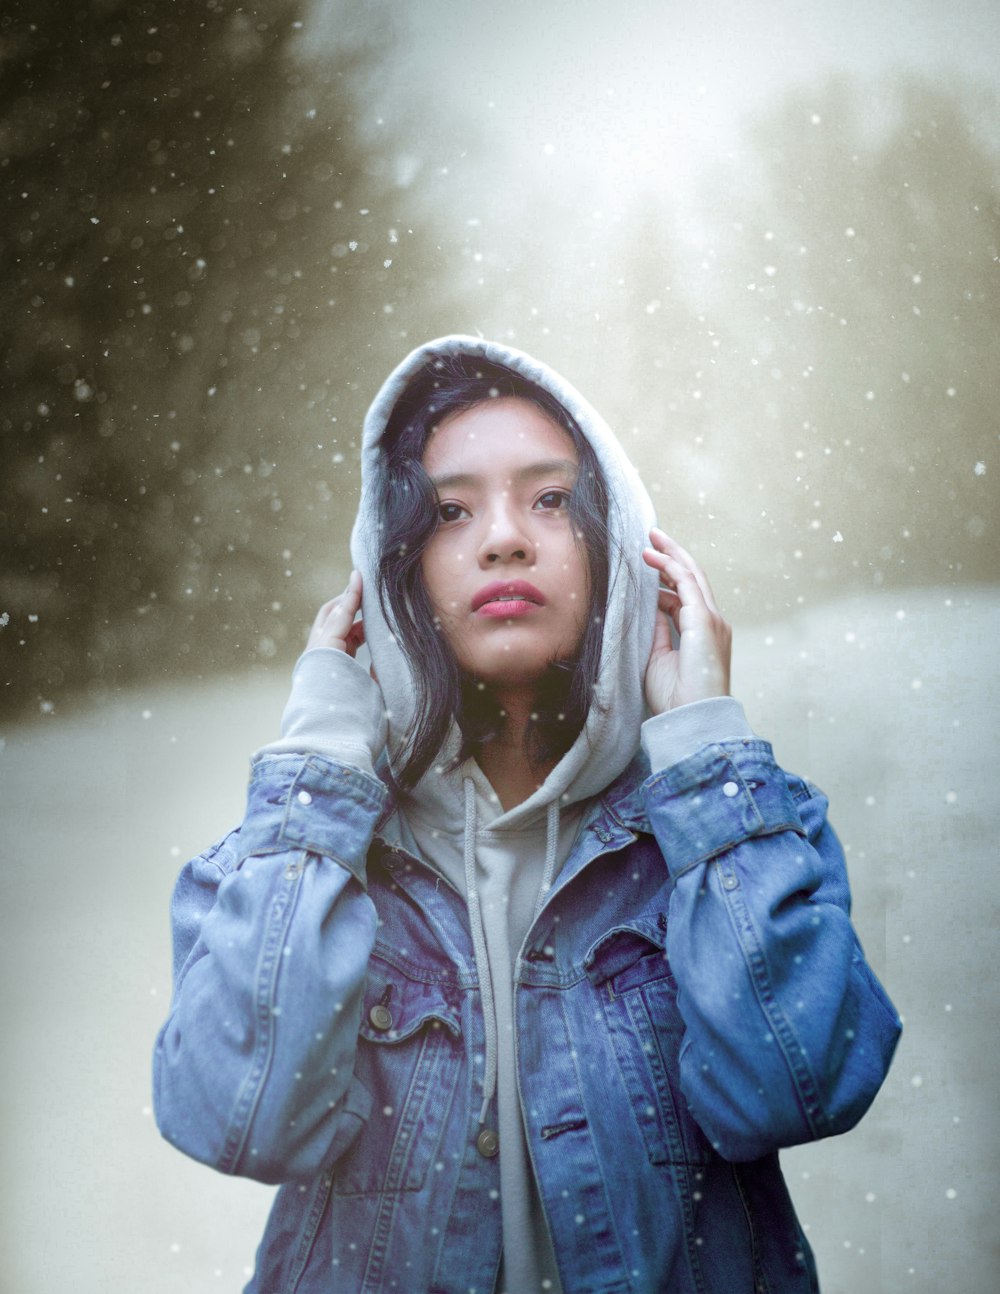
x,y
699,667
335,625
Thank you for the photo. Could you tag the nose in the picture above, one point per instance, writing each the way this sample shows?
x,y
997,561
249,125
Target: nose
x,y
506,539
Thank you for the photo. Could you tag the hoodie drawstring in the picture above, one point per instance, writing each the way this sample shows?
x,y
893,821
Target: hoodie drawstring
x,y
479,947
486,992
551,841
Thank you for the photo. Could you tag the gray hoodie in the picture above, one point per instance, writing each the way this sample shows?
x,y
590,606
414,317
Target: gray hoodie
x,y
503,862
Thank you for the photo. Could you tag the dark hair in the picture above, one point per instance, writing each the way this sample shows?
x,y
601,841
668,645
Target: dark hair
x,y
408,517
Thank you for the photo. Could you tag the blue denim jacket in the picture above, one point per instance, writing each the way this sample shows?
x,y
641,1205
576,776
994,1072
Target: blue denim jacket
x,y
691,998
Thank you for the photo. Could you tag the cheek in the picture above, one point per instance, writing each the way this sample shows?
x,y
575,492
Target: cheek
x,y
577,569
430,571
438,575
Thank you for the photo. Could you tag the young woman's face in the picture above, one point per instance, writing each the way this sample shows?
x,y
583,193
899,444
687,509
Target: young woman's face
x,y
503,570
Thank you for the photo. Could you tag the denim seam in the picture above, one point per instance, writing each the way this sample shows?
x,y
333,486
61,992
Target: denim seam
x,y
782,1028
419,973
470,1043
760,1284
768,829
610,1213
248,1100
307,1237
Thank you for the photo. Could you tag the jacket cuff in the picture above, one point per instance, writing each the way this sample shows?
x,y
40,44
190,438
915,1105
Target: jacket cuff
x,y
314,804
335,709
716,799
669,737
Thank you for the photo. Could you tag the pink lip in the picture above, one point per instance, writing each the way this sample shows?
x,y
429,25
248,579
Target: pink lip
x,y
525,596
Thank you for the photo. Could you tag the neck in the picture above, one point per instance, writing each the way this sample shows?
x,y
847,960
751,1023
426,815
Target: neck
x,y
506,760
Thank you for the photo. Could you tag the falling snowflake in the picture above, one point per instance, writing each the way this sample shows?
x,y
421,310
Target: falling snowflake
x,y
980,469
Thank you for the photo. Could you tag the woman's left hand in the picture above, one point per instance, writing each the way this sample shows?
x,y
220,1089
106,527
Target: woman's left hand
x,y
699,667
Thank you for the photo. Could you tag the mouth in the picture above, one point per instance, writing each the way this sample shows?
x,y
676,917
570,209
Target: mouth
x,y
508,597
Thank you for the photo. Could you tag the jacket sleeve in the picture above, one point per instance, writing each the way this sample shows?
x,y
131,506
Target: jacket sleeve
x,y
788,1033
272,930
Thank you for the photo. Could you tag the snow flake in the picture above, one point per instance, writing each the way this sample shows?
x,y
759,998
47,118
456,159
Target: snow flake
x,y
980,468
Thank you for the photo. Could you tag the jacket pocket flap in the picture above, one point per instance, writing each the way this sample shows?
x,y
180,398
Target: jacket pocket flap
x,y
396,1007
624,947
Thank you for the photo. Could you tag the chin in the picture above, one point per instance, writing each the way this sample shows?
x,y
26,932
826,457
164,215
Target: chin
x,y
516,669
517,662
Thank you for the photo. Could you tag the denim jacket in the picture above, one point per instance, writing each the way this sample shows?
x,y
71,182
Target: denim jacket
x,y
691,998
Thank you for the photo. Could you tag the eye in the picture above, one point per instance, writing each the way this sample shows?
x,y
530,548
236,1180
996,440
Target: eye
x,y
553,501
451,512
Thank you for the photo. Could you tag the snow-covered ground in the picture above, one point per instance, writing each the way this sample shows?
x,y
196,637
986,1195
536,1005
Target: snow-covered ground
x,y
889,702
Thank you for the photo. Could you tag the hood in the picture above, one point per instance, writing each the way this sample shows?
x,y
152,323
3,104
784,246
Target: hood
x,y
610,736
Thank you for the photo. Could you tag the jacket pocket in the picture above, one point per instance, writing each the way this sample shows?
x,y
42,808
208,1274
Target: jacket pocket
x,y
631,967
408,1059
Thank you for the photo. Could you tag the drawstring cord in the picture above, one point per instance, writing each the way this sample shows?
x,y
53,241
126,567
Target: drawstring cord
x,y
551,840
479,947
479,930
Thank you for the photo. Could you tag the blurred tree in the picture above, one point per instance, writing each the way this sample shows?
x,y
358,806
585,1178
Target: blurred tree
x,y
201,243
859,372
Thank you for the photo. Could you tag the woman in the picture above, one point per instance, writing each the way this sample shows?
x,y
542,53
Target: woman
x,y
527,957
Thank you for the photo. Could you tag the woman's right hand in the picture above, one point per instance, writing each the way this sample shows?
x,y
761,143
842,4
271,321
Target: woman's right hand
x,y
335,625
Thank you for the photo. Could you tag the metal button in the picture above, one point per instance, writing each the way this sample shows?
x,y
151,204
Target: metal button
x,y
304,797
380,1016
487,1143
730,883
730,789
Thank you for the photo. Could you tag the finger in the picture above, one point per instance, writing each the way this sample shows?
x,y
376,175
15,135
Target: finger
x,y
670,606
324,611
355,635
345,608
674,572
664,542
336,617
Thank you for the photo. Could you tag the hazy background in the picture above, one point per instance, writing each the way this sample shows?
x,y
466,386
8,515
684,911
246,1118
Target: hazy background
x,y
764,240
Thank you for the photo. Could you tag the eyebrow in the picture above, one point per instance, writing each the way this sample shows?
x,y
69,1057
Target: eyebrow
x,y
545,467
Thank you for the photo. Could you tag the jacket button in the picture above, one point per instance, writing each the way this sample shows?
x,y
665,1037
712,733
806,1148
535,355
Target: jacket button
x,y
380,1016
487,1143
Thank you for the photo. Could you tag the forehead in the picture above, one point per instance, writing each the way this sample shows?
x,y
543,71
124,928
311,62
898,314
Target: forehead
x,y
499,435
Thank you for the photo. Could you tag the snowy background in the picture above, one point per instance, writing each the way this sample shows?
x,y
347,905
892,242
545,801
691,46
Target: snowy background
x,y
764,240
